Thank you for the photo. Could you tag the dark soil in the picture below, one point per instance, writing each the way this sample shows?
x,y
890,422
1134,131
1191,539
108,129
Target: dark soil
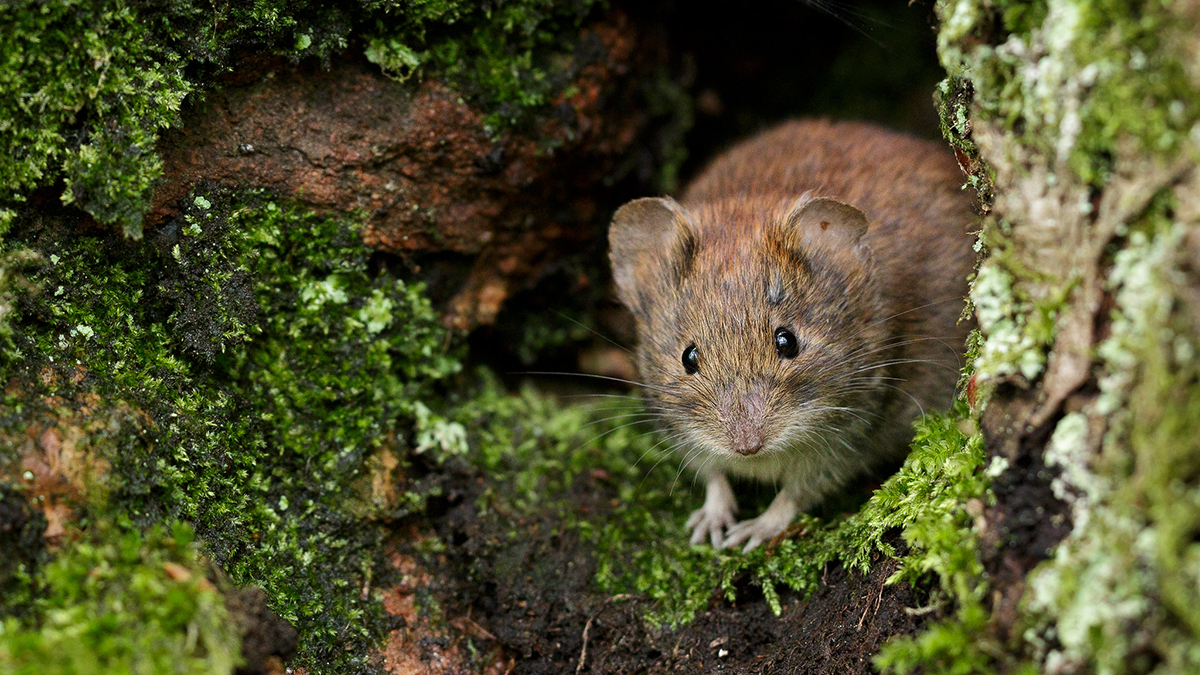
x,y
1028,520
264,634
533,595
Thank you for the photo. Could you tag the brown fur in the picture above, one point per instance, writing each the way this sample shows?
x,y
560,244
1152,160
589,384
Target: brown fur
x,y
876,313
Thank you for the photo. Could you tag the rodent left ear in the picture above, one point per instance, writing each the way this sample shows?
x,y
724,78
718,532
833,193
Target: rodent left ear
x,y
651,245
826,223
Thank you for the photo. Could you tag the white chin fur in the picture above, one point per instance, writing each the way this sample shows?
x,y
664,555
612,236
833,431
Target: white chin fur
x,y
765,466
795,464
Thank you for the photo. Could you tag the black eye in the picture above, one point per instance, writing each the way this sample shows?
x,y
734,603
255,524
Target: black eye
x,y
786,343
691,360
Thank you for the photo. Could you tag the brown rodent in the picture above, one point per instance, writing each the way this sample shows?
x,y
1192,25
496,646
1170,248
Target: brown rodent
x,y
797,310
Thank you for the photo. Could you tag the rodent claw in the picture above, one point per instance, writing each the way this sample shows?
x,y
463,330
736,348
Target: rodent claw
x,y
705,523
746,531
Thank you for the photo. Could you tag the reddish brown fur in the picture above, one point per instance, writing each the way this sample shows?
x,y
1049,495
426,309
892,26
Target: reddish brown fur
x,y
877,316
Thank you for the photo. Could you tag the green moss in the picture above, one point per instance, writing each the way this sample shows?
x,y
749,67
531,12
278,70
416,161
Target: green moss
x,y
13,284
86,90
1117,52
512,58
271,363
533,449
1141,90
953,97
125,602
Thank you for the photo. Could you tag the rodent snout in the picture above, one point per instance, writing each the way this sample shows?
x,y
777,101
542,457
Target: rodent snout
x,y
744,417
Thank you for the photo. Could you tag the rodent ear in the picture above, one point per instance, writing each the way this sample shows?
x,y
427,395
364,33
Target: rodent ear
x,y
825,222
650,243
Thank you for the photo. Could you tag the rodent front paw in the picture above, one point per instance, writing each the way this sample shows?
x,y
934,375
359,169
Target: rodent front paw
x,y
754,531
711,523
763,528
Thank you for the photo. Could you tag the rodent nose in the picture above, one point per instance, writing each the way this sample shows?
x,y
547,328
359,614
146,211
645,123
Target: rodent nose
x,y
748,448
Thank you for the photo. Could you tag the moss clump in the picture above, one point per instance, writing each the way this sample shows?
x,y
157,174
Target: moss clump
x,y
13,284
86,90
124,601
271,365
511,57
86,87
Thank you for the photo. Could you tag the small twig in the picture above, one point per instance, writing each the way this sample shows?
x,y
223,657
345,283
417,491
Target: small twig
x,y
587,628
878,604
797,530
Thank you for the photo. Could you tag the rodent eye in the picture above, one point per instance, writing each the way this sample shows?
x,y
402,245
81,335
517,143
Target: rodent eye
x,y
786,343
691,360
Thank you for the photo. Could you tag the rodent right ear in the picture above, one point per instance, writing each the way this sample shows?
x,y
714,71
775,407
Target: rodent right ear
x,y
825,222
650,245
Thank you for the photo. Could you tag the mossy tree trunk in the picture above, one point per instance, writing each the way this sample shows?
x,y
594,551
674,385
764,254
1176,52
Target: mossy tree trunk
x,y
1080,116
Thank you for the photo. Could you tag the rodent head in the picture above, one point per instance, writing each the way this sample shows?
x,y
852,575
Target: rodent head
x,y
755,321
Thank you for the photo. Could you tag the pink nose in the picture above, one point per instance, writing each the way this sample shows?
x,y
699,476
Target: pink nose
x,y
747,439
748,450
